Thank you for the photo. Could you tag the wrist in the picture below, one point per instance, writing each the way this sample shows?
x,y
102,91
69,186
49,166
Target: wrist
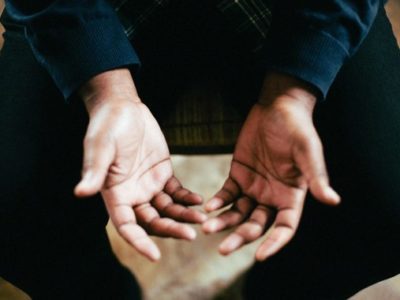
x,y
281,89
111,88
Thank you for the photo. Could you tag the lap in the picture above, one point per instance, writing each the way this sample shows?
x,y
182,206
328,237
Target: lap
x,y
336,251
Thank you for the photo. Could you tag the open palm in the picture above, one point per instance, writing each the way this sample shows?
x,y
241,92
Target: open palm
x,y
127,159
278,156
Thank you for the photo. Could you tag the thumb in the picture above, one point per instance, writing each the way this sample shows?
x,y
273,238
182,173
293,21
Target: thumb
x,y
97,159
310,160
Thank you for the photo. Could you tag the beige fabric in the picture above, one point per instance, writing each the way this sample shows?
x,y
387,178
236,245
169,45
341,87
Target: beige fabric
x,y
384,290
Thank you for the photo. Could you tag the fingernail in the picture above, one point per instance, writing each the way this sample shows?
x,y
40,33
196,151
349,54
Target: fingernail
x,y
154,254
84,187
198,199
211,225
263,253
80,188
202,218
331,193
190,234
230,244
213,204
86,178
90,177
262,257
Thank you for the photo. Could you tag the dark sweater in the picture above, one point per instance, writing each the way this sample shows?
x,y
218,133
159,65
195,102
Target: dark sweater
x,y
309,39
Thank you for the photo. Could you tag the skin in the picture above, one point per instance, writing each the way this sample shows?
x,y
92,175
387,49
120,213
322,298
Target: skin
x,y
278,157
126,158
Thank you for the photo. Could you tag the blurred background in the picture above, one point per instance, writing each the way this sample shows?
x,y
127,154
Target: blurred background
x,y
196,271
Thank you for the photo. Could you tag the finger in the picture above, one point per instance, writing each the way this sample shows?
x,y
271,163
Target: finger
x,y
167,208
124,221
165,227
284,228
181,194
249,231
226,195
97,158
310,159
149,219
231,217
138,238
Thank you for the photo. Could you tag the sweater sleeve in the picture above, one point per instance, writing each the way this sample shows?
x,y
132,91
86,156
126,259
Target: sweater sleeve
x,y
312,39
74,39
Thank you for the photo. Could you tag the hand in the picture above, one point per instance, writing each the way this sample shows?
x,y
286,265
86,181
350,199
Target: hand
x,y
278,156
127,159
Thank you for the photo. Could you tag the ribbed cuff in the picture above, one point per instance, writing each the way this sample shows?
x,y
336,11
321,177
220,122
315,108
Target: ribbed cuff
x,y
74,54
307,54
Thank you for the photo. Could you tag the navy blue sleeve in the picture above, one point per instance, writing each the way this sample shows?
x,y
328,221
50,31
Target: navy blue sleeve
x,y
74,39
312,39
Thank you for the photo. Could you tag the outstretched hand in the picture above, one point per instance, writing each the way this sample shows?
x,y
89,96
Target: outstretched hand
x,y
278,157
127,159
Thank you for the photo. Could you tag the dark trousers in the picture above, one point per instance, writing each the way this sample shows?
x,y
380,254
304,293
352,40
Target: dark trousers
x,y
53,244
